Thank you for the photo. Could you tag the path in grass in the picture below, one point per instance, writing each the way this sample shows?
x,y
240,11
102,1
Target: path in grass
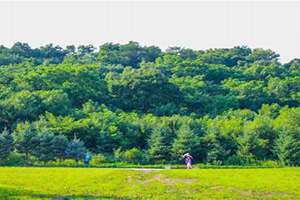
x,y
89,183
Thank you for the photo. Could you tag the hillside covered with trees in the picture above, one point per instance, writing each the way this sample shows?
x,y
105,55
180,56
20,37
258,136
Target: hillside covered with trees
x,y
140,104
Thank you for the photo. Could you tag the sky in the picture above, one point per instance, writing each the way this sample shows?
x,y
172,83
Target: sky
x,y
196,24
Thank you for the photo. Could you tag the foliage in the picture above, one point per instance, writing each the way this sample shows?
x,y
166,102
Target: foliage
x,y
185,142
76,150
59,146
26,139
6,144
98,159
140,104
159,145
134,155
42,149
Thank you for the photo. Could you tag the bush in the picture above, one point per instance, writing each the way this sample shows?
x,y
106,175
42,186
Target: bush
x,y
271,164
67,162
98,159
14,159
58,163
239,160
118,155
134,156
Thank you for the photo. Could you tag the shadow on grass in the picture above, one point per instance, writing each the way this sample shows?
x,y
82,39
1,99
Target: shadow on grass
x,y
7,193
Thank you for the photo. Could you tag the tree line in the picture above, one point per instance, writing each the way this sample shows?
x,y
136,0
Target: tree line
x,y
139,104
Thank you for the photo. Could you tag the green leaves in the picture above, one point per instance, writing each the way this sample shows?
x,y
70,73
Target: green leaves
x,y
185,142
6,144
142,89
160,144
76,150
230,105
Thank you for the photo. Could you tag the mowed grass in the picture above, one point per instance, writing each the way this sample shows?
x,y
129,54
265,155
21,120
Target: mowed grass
x,y
92,183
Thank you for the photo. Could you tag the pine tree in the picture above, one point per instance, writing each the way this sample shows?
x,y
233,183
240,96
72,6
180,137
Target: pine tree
x,y
26,141
6,144
160,145
294,152
186,141
281,147
287,149
76,150
59,146
215,152
44,151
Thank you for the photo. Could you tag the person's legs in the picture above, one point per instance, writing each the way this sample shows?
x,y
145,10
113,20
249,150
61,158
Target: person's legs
x,y
189,165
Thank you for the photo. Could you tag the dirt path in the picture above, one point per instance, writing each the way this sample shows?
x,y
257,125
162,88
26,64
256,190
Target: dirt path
x,y
145,169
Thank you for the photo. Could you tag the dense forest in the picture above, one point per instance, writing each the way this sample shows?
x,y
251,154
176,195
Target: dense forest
x,y
140,104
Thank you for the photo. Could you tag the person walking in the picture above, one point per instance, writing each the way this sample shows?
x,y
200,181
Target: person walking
x,y
87,158
188,160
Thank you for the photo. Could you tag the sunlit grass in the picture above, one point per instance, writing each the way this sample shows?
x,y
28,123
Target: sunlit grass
x,y
88,183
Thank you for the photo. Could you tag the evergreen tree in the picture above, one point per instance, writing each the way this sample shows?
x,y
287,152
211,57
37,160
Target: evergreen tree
x,y
26,141
160,147
287,125
243,155
76,150
6,144
44,151
294,152
59,146
215,153
186,142
223,94
282,144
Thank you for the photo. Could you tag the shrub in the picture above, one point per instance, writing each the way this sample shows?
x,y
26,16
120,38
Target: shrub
x,y
134,155
14,159
67,163
58,163
98,159
271,164
240,160
118,155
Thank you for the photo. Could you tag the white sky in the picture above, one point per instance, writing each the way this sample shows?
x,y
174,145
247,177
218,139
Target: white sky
x,y
197,25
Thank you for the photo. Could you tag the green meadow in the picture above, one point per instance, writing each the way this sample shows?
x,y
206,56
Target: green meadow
x,y
93,183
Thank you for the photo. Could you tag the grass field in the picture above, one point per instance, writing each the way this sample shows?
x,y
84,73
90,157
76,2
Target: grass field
x,y
91,183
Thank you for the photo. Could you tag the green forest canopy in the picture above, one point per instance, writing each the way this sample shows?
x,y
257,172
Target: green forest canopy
x,y
140,104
